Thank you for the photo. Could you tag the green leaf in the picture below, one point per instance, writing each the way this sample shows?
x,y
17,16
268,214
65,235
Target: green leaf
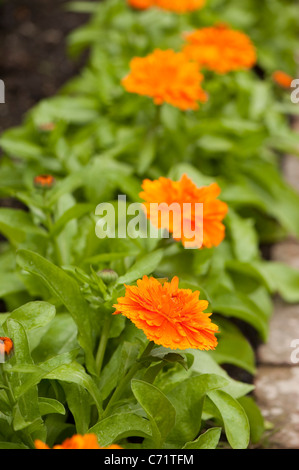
x,y
238,305
158,408
79,404
244,237
75,373
234,418
256,420
68,291
34,314
188,398
144,266
207,440
74,212
121,426
15,224
50,406
282,279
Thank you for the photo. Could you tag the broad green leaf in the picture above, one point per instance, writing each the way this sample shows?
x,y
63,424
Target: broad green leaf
x,y
15,224
68,291
120,426
158,408
34,314
188,398
234,418
79,405
50,406
256,420
75,373
207,440
144,266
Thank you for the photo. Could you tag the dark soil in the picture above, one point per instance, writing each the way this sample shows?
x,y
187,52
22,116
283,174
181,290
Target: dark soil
x,y
34,62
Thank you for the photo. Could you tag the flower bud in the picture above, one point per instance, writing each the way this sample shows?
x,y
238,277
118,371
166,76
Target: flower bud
x,y
44,181
108,276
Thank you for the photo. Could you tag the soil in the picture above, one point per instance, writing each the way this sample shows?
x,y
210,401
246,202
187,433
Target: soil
x,y
34,62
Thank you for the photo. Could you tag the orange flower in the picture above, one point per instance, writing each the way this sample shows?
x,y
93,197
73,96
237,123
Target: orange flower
x,y
169,316
141,4
220,49
165,190
177,6
180,6
166,76
282,79
88,441
6,346
44,181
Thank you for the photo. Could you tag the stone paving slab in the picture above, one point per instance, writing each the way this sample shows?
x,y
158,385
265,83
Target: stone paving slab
x,y
277,393
284,328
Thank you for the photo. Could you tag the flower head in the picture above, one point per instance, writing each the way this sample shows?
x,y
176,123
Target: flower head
x,y
169,316
6,346
220,49
177,6
141,4
168,77
282,79
44,181
166,191
88,441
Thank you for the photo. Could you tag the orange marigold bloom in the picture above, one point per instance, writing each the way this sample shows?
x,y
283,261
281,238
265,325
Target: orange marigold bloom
x,y
282,79
169,316
141,4
168,77
177,6
6,346
220,49
88,441
44,181
180,6
164,190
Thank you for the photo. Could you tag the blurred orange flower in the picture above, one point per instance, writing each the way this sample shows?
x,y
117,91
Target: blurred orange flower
x,y
177,6
141,4
6,346
88,441
168,77
282,79
44,181
169,316
164,190
220,49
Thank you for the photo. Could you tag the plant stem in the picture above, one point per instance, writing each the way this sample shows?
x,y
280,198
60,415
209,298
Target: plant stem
x,y
103,343
127,378
8,388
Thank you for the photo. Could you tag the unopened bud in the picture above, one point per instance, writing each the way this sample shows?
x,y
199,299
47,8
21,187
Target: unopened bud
x,y
108,276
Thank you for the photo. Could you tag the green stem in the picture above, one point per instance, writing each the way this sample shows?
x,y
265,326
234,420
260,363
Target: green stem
x,y
127,378
103,343
8,389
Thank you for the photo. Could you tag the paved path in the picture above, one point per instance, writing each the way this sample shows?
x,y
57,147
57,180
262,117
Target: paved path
x,y
277,381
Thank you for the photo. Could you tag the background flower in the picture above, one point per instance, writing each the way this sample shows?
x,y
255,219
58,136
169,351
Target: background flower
x,y
166,76
220,49
181,192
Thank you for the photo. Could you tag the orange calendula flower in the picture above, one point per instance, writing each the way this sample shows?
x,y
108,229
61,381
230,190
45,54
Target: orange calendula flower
x,y
44,181
177,6
180,6
169,316
6,346
220,49
88,441
161,194
168,77
141,4
282,79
